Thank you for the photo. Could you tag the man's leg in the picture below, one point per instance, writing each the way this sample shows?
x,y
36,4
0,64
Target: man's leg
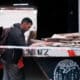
x,y
5,74
11,72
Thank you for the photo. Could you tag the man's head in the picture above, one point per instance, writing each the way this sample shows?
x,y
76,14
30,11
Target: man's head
x,y
26,23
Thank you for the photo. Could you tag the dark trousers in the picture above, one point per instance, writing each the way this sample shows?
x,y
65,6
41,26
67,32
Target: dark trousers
x,y
11,72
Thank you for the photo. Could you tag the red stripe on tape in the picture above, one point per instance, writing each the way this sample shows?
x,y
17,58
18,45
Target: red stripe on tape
x,y
71,53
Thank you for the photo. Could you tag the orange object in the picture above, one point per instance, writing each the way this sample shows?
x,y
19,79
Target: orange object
x,y
20,63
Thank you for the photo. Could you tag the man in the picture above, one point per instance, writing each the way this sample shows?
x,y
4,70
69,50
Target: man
x,y
11,56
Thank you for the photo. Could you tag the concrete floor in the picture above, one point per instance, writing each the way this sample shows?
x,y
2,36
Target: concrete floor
x,y
33,71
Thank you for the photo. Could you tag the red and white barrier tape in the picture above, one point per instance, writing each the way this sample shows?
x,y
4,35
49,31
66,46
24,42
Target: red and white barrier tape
x,y
57,50
23,47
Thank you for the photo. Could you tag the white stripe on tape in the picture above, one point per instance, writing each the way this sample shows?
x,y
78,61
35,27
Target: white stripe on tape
x,y
23,47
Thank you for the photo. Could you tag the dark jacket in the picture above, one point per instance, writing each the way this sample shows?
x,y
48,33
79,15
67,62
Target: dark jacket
x,y
15,38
